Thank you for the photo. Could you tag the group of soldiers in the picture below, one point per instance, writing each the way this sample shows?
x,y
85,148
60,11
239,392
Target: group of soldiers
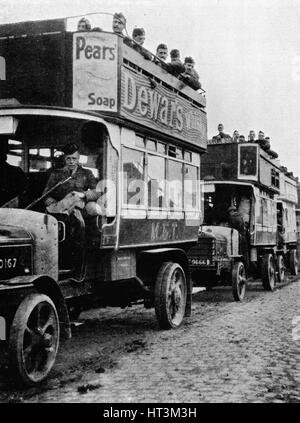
x,y
264,142
182,70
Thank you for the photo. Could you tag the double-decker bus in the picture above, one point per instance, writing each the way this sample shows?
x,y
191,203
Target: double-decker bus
x,y
141,132
249,219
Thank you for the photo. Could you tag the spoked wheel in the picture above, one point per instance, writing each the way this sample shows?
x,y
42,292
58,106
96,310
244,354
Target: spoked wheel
x,y
293,262
170,295
280,268
239,281
268,272
34,338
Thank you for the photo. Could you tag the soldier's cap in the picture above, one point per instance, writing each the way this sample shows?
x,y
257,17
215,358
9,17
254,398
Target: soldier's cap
x,y
120,17
189,59
86,21
164,46
138,31
70,148
174,53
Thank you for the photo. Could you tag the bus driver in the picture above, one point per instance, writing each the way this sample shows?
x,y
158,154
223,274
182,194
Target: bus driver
x,y
76,198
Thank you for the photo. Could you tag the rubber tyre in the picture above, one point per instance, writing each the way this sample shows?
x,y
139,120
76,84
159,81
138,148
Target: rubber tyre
x,y
34,339
170,295
293,262
268,272
239,281
280,268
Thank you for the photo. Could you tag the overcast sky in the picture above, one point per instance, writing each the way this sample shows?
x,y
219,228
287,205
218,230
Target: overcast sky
x,y
247,53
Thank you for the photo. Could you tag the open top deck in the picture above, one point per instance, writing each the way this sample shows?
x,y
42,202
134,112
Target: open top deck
x,y
244,162
43,64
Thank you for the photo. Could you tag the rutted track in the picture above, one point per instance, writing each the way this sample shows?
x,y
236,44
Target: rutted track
x,y
226,351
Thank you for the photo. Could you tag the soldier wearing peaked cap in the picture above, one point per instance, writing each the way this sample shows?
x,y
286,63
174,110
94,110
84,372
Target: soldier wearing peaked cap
x,y
119,23
139,36
175,67
190,76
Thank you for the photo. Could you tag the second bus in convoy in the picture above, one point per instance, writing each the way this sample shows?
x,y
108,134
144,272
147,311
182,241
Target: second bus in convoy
x,y
249,219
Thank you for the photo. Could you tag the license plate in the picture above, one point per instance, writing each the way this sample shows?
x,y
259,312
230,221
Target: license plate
x,y
198,262
15,261
8,263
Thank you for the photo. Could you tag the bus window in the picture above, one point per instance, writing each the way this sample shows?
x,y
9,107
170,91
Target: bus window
x,y
156,181
190,188
39,159
15,156
133,177
175,185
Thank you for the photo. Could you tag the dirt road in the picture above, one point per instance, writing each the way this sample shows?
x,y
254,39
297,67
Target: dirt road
x,y
226,352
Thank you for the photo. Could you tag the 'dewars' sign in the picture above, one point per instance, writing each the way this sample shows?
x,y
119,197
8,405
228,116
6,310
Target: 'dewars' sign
x,y
161,109
95,71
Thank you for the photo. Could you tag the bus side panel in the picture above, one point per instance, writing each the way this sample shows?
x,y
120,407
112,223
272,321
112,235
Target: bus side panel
x,y
156,231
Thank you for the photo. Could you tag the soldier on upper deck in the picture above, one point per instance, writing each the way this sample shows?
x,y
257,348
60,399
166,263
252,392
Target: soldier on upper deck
x,y
162,52
251,136
221,137
235,136
190,76
175,67
118,23
83,25
139,36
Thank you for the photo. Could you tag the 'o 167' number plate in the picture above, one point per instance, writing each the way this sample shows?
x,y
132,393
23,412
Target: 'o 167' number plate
x,y
8,263
15,260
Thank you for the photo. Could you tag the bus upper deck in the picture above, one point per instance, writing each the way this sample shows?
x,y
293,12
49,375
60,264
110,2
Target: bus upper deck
x,y
42,63
247,162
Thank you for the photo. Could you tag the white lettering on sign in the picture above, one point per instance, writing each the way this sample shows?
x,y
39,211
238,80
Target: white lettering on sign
x,y
95,71
2,69
150,103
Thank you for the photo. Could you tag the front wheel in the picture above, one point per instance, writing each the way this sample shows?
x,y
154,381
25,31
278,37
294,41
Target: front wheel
x,y
268,272
34,338
239,281
294,262
170,295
